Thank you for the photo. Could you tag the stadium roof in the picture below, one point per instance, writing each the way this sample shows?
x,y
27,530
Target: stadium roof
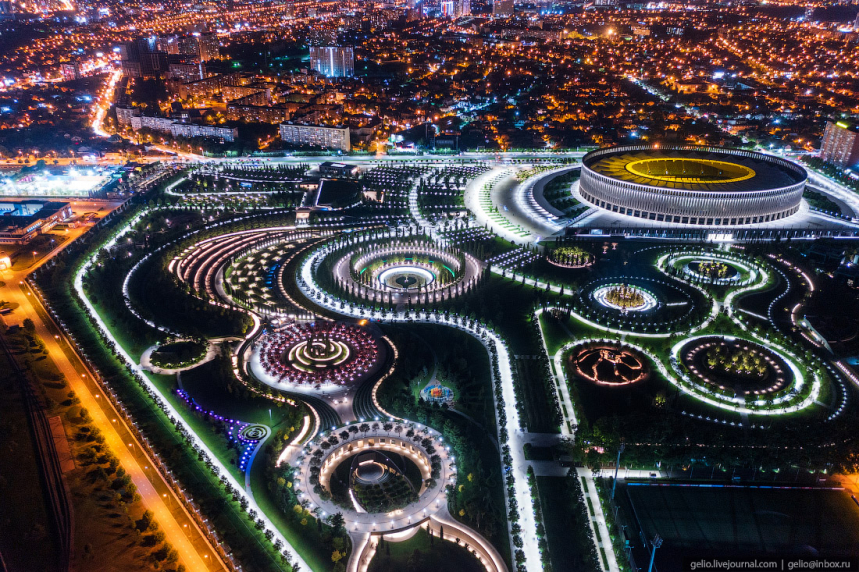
x,y
696,170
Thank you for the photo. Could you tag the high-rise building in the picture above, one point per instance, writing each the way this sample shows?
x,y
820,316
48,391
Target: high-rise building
x,y
840,144
333,61
316,136
414,10
142,58
203,46
502,8
455,8
208,47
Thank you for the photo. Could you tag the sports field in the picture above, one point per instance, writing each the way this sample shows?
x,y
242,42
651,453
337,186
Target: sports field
x,y
705,521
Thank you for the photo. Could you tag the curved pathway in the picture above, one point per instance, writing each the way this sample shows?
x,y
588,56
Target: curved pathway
x,y
493,343
146,362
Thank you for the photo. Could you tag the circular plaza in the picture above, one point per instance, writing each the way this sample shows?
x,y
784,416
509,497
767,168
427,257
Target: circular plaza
x,y
320,355
624,298
411,271
382,477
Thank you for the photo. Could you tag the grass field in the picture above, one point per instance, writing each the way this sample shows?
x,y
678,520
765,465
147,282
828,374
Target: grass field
x,y
26,529
565,525
417,555
732,522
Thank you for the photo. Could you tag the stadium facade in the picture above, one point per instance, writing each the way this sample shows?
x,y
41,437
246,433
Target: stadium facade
x,y
691,185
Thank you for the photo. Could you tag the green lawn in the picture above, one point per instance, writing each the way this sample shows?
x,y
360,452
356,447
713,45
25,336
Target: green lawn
x,y
304,538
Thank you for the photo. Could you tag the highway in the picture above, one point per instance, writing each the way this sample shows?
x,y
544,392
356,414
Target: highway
x,y
181,531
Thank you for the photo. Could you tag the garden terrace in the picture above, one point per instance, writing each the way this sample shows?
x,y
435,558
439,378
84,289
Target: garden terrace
x,y
441,192
263,177
317,355
255,278
513,260
392,184
558,193
199,263
477,241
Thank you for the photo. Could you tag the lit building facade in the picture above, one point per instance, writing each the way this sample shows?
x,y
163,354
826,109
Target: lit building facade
x,y
316,136
333,61
840,144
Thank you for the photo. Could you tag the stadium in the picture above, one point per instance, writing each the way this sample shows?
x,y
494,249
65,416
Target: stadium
x,y
687,185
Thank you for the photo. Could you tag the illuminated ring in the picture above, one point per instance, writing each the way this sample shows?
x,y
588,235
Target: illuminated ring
x,y
735,172
430,500
735,280
253,432
600,295
773,360
788,402
383,276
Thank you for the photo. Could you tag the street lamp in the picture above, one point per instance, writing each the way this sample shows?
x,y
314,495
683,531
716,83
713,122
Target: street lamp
x,y
656,543
616,467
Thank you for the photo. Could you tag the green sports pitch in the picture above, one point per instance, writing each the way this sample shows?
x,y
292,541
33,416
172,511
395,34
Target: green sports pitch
x,y
737,521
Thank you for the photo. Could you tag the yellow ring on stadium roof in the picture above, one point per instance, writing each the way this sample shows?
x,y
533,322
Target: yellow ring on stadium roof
x,y
690,170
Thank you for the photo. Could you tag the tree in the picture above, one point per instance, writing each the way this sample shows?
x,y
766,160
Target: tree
x,y
29,326
337,522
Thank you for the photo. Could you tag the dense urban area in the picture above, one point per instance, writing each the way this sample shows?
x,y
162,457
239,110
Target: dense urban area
x,y
429,285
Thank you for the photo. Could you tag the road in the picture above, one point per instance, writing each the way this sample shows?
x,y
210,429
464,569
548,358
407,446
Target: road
x,y
194,550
